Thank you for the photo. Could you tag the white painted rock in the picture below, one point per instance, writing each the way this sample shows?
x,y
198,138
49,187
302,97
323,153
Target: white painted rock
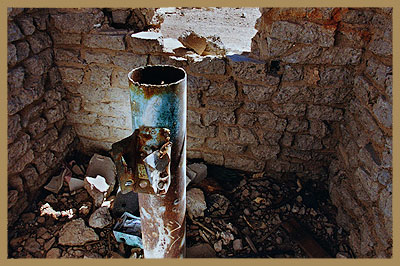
x,y
97,188
103,166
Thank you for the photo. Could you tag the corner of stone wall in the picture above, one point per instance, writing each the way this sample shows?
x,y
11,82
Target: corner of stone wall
x,y
347,52
38,137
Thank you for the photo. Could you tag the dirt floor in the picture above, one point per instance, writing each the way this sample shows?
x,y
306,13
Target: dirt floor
x,y
235,26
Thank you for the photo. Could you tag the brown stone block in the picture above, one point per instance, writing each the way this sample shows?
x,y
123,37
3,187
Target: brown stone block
x,y
13,32
20,164
145,42
40,145
207,65
83,21
243,163
129,61
104,40
39,41
14,126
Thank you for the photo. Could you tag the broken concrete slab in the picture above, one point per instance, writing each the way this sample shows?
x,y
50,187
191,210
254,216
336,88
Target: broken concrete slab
x,y
75,184
195,202
97,188
193,41
196,172
76,233
104,166
55,184
145,42
100,218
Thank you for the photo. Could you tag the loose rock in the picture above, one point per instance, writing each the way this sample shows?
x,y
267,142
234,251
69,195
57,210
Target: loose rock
x,y
237,245
200,251
195,202
100,218
53,253
76,233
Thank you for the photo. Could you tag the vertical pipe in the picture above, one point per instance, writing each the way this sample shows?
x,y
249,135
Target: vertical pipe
x,y
158,99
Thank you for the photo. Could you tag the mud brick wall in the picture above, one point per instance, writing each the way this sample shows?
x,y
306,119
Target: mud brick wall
x,y
38,137
345,56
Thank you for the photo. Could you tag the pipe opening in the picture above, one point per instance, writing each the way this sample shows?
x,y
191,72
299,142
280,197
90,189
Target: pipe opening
x,y
156,75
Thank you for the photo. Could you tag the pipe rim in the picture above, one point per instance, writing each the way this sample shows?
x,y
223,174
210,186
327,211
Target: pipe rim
x,y
139,84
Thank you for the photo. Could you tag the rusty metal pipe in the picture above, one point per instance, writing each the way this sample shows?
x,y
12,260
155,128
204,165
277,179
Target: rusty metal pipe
x,y
158,104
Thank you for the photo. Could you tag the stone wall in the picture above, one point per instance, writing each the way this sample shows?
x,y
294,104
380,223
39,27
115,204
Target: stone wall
x,y
312,99
38,137
94,62
349,55
243,113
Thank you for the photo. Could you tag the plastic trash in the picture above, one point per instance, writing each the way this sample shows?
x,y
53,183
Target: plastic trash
x,y
128,230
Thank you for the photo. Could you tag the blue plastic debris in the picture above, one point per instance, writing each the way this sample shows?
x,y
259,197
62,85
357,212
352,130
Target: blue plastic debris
x,y
128,230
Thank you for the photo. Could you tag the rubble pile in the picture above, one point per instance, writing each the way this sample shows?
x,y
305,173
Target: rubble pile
x,y
73,220
254,219
254,216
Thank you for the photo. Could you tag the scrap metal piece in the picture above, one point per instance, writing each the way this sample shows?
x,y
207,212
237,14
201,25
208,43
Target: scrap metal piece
x,y
143,161
128,230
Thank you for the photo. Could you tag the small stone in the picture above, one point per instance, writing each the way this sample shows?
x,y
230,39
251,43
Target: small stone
x,y
313,212
49,243
53,253
100,218
32,246
329,230
279,240
299,199
28,217
85,208
245,193
302,211
295,209
195,202
218,246
342,255
51,199
198,172
237,245
227,237
200,251
246,212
